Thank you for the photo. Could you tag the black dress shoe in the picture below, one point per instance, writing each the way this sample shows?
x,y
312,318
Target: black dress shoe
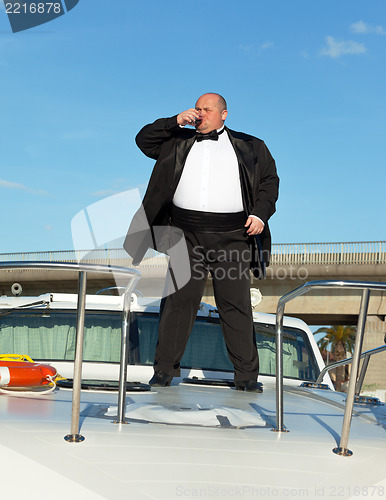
x,y
160,379
249,386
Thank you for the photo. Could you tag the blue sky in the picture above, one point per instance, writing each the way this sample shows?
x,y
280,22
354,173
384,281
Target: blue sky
x,y
307,77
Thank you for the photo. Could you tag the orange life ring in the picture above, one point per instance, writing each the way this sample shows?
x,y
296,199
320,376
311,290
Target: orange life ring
x,y
25,374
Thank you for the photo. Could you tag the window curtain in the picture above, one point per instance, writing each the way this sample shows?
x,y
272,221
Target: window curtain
x,y
52,336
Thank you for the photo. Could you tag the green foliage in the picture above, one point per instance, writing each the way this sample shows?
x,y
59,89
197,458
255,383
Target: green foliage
x,y
340,337
370,387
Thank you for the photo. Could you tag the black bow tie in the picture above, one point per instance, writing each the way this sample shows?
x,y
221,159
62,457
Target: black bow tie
x,y
212,135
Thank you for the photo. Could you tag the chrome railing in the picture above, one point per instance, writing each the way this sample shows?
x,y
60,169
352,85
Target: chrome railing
x,y
312,285
362,252
365,355
83,269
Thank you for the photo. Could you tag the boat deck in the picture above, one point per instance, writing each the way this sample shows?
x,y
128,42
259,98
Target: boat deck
x,y
189,441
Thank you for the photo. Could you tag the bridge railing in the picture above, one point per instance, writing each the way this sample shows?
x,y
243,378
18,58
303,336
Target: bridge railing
x,y
362,252
283,254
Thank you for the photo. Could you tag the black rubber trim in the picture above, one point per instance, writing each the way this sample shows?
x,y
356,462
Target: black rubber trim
x,y
104,385
223,382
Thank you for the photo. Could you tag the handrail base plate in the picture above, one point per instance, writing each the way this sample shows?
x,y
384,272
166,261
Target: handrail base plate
x,y
74,438
344,452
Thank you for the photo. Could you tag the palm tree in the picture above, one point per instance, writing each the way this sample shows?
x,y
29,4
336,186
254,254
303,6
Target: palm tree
x,y
342,339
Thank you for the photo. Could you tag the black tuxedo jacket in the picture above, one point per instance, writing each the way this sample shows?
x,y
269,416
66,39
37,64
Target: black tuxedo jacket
x,y
169,144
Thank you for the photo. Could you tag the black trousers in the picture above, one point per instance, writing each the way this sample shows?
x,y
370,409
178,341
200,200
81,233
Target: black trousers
x,y
226,256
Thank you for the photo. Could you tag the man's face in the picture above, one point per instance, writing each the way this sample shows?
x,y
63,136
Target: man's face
x,y
211,117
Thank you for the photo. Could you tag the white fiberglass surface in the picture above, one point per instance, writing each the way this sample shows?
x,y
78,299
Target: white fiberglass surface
x,y
172,460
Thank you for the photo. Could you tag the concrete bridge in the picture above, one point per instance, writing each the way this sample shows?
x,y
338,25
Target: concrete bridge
x,y
292,265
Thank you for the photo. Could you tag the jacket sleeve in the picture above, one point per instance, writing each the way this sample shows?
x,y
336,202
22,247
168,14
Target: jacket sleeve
x,y
268,184
151,138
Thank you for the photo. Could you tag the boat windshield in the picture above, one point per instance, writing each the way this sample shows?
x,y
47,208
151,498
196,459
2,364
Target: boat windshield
x,y
49,335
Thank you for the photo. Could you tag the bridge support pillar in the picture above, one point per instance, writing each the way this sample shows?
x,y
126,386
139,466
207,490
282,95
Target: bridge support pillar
x,y
375,379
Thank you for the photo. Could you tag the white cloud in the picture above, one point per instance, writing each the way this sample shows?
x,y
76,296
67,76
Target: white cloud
x,y
256,49
11,185
117,186
267,45
336,49
246,48
363,28
16,185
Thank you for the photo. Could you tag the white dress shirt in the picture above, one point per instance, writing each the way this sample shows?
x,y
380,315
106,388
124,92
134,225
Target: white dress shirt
x,y
210,181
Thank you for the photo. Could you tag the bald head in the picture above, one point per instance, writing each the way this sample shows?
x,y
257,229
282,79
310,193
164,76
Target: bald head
x,y
212,110
218,100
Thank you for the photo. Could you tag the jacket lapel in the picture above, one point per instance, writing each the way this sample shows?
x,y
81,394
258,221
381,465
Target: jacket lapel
x,y
243,149
182,149
245,157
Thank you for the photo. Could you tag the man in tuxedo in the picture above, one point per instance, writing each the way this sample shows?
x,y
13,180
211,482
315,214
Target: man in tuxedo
x,y
220,188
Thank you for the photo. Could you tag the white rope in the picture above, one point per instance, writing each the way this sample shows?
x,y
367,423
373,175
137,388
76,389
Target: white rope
x,y
17,393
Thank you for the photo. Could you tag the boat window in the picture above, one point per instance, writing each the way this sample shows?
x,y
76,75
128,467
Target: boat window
x,y
50,335
298,357
206,348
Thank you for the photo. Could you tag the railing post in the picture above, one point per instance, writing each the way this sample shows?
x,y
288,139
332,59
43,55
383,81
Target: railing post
x,y
342,448
124,352
279,369
74,436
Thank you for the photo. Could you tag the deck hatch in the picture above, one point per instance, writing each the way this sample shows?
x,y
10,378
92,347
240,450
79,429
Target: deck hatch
x,y
191,414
